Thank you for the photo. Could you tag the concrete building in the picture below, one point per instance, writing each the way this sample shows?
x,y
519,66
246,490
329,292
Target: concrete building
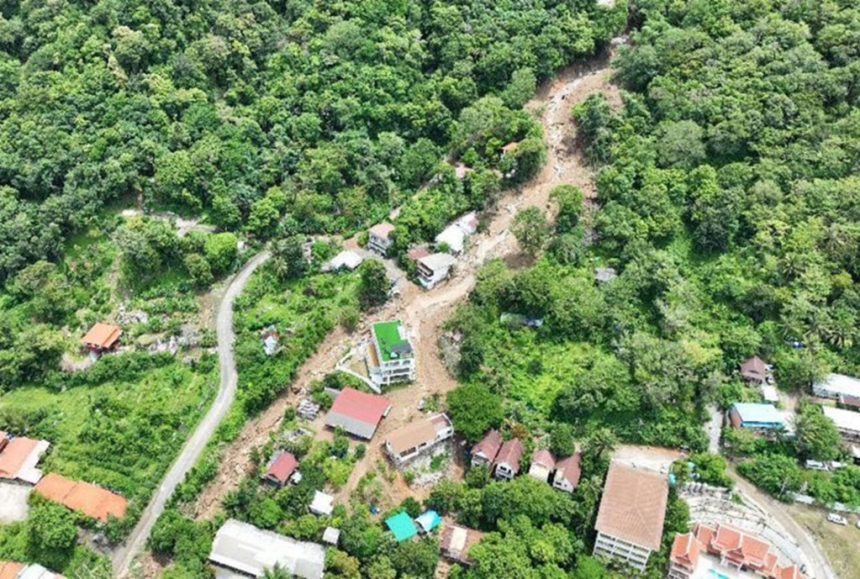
x,y
452,238
543,463
390,355
345,260
567,473
835,385
418,438
380,238
847,422
434,269
358,413
508,459
631,515
243,550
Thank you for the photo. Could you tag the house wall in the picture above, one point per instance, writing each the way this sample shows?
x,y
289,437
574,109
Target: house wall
x,y
378,244
562,485
504,471
634,555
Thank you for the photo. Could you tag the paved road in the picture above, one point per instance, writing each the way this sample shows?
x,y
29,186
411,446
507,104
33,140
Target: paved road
x,y
194,447
819,566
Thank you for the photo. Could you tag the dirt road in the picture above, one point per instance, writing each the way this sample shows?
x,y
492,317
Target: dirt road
x,y
819,567
194,447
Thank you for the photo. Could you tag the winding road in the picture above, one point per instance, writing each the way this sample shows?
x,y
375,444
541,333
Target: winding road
x,y
192,450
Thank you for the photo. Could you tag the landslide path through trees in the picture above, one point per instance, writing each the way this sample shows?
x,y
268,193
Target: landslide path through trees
x,y
192,450
424,313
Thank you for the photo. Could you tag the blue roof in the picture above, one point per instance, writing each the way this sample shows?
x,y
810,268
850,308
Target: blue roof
x,y
402,526
429,521
758,413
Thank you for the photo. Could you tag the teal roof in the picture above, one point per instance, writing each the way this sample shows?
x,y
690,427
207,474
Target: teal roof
x,y
402,526
429,521
390,341
758,413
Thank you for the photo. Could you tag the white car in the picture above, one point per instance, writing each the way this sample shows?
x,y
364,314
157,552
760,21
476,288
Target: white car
x,y
838,519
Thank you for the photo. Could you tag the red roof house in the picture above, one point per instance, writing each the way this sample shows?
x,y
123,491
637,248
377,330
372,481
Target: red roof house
x,y
358,413
508,459
281,469
484,453
567,473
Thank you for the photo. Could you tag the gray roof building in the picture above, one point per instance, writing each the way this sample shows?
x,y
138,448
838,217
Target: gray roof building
x,y
241,550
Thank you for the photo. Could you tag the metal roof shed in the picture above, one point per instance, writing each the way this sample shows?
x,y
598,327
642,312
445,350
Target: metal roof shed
x,y
402,526
358,413
428,521
245,549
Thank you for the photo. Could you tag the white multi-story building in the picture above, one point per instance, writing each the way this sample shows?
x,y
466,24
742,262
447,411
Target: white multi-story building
x,y
380,239
390,356
631,515
434,269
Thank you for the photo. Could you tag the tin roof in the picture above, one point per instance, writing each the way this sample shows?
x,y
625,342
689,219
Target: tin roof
x,y
283,467
359,413
402,526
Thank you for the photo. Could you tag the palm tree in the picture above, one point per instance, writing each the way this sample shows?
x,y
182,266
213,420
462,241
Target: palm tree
x,y
276,572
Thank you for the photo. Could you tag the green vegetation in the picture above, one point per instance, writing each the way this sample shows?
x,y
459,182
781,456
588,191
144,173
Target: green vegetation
x,y
319,117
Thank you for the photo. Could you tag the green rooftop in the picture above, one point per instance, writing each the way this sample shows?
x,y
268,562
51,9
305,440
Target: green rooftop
x,y
388,339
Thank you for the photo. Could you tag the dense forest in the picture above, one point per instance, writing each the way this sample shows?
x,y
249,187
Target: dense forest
x,y
324,113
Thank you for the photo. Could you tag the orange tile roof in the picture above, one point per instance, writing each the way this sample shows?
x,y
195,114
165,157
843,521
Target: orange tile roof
x,y
102,336
10,569
14,455
89,499
745,550
633,507
685,551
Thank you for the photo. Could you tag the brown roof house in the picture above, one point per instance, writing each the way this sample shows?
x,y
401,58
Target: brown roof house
x,y
631,515
457,541
417,438
567,473
508,459
102,338
543,463
484,453
756,371
379,238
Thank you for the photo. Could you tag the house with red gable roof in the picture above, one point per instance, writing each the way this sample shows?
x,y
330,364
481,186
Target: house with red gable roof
x,y
357,412
282,469
721,548
484,453
508,459
567,473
